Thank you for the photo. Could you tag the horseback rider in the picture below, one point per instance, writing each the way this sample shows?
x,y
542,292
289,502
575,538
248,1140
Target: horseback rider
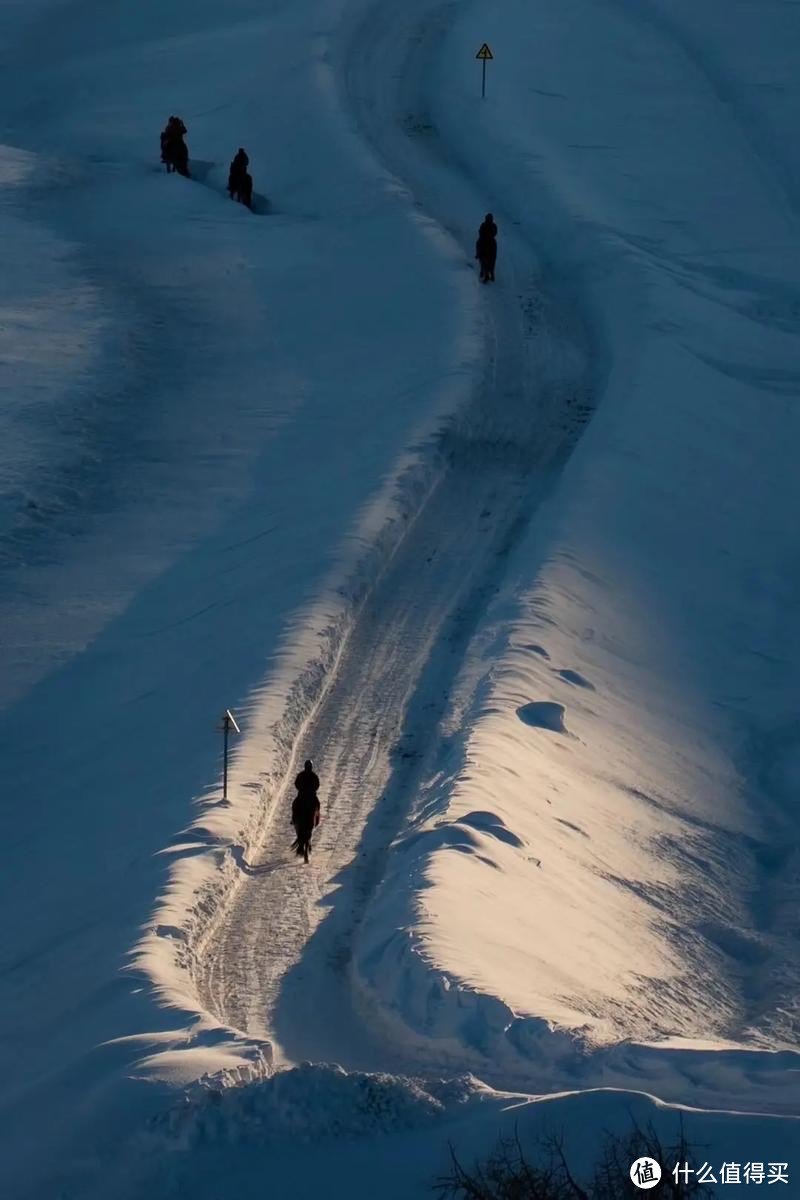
x,y
240,183
305,808
486,248
174,151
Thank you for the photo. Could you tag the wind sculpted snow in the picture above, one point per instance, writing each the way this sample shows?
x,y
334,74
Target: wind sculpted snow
x,y
652,893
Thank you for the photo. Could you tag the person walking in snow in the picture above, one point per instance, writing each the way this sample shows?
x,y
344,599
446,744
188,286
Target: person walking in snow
x,y
486,248
305,809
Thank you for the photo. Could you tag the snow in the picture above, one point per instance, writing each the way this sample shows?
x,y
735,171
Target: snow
x,y
407,1160
297,463
310,1103
189,543
647,834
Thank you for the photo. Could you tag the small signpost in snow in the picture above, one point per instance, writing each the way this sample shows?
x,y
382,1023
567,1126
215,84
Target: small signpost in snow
x,y
484,54
228,723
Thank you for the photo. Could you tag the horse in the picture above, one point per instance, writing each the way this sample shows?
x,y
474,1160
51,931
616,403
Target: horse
x,y
305,818
242,189
174,151
240,183
176,156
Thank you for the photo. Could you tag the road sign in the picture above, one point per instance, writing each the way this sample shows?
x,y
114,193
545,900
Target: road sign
x,y
484,54
226,725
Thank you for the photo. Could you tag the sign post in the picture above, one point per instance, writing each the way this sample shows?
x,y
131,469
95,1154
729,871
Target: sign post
x,y
228,723
484,54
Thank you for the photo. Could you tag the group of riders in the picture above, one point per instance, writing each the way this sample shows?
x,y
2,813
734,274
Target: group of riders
x,y
175,156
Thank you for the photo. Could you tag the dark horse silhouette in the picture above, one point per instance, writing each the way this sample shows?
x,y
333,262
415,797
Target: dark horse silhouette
x,y
240,183
174,151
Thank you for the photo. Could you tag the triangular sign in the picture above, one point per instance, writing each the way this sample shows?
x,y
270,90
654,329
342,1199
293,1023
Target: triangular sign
x,y
484,52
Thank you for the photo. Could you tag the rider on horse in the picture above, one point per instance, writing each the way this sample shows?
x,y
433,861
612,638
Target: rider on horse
x,y
305,808
174,152
240,184
486,248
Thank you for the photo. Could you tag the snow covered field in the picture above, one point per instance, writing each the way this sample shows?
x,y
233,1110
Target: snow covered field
x,y
298,462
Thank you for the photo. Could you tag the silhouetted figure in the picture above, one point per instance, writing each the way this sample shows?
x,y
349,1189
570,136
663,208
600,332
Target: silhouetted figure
x,y
240,184
486,248
173,130
305,809
174,152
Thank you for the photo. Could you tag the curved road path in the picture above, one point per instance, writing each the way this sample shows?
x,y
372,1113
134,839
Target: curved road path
x,y
279,953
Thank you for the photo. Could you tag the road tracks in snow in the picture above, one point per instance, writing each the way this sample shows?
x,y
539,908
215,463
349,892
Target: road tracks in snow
x,y
275,963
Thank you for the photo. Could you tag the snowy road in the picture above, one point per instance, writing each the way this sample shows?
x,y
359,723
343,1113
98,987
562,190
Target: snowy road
x,y
278,951
301,463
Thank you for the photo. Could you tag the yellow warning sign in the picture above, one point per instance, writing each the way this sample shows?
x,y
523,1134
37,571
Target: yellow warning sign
x,y
484,52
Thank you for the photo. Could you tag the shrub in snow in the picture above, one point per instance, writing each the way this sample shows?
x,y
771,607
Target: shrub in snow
x,y
508,1174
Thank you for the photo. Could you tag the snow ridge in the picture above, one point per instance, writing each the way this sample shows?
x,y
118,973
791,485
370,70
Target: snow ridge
x,y
311,1103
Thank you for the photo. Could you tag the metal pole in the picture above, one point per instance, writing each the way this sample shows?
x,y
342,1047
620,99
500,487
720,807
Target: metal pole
x,y
483,82
225,727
